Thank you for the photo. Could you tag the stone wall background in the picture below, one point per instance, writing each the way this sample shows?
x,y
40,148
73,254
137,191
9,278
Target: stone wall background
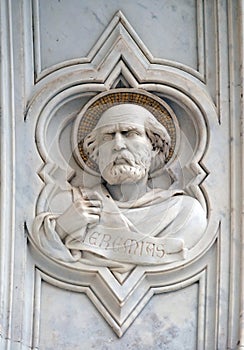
x,y
42,308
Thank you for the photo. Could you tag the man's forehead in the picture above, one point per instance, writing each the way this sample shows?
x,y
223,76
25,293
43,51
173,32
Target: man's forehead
x,y
121,127
128,114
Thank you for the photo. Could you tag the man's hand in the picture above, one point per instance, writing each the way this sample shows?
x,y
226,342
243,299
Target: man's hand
x,y
81,213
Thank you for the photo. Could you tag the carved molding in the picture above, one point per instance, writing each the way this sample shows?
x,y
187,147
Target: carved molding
x,y
120,25
118,317
119,58
81,80
236,57
7,171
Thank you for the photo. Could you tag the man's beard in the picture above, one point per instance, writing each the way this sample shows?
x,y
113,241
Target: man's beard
x,y
127,168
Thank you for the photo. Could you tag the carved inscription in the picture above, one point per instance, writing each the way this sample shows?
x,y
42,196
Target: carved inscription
x,y
113,243
129,246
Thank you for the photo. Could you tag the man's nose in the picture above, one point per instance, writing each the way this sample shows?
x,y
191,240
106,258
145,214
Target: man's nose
x,y
119,142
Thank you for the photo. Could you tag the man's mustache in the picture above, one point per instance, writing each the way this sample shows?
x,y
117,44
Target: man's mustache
x,y
124,157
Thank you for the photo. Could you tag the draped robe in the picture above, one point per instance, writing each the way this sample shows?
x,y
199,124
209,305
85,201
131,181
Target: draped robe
x,y
157,228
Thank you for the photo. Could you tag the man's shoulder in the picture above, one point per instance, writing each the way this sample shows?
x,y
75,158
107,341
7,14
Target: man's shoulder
x,y
158,196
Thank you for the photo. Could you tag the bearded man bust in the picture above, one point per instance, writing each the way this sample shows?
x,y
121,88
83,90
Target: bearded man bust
x,y
122,222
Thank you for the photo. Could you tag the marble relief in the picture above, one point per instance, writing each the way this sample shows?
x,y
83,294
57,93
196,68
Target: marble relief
x,y
122,175
121,210
123,220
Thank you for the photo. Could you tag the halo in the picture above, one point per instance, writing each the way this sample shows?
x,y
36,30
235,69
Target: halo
x,y
90,114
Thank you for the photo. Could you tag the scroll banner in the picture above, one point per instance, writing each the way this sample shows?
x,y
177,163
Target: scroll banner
x,y
130,247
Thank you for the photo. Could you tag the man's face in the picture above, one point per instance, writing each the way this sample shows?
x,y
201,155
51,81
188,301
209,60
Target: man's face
x,y
125,153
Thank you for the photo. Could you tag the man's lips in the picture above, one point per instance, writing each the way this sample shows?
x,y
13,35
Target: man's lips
x,y
120,161
123,159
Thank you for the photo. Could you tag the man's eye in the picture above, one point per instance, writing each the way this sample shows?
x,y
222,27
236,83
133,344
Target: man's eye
x,y
131,133
107,137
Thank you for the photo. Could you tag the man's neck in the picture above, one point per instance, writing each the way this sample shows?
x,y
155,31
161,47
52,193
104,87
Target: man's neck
x,y
128,192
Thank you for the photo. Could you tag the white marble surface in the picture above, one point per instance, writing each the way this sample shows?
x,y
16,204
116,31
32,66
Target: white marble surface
x,y
43,301
70,321
62,37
